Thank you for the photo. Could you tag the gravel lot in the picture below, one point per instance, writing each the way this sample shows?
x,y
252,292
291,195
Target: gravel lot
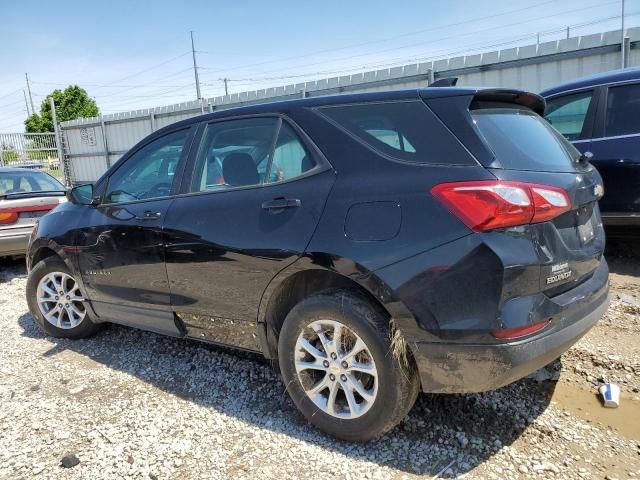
x,y
132,404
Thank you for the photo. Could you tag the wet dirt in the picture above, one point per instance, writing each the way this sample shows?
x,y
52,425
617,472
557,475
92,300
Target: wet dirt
x,y
588,406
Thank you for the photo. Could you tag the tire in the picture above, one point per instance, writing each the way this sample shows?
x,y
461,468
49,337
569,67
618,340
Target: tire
x,y
394,391
76,327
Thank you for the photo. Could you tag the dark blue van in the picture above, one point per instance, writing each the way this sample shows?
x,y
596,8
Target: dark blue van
x,y
601,114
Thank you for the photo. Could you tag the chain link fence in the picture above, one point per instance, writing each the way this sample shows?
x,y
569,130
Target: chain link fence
x,y
31,150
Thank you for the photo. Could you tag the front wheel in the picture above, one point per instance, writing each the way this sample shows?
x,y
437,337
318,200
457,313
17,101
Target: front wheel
x,y
336,360
56,302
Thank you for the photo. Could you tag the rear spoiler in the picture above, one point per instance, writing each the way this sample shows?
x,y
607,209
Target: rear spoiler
x,y
17,195
497,95
504,95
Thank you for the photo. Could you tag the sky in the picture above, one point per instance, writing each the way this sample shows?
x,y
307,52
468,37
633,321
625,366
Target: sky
x,y
131,54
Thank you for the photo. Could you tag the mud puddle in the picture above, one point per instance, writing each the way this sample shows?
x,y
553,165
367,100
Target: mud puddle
x,y
587,405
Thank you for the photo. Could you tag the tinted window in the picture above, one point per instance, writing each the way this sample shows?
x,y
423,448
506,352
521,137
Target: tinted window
x,y
404,130
623,110
13,182
234,154
522,140
567,114
290,157
149,172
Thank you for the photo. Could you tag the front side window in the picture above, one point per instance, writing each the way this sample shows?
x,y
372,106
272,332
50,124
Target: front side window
x,y
148,173
568,113
405,130
623,111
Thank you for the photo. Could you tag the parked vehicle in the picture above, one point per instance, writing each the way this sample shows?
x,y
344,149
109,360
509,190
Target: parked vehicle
x,y
25,196
443,240
600,114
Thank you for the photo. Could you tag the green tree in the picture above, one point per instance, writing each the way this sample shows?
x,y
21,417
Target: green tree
x,y
71,103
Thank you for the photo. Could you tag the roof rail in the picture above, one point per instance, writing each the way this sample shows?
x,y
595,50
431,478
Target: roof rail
x,y
445,82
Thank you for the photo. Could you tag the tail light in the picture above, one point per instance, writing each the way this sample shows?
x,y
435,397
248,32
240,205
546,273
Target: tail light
x,y
519,332
487,205
8,218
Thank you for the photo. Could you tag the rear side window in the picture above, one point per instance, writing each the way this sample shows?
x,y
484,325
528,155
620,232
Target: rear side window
x,y
406,131
11,182
623,111
567,114
290,157
522,140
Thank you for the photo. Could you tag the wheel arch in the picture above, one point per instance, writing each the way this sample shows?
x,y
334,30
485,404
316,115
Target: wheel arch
x,y
312,274
45,248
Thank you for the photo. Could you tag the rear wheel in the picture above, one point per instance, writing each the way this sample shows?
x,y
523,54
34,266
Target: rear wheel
x,y
337,363
56,302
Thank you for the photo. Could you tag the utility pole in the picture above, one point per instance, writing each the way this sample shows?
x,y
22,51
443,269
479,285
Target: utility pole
x,y
26,104
226,87
623,45
33,109
568,32
195,68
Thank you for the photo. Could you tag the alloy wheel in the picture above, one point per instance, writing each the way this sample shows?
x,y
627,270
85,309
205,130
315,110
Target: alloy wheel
x,y
60,300
336,369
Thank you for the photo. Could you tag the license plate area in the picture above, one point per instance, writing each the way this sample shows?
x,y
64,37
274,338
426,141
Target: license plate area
x,y
32,215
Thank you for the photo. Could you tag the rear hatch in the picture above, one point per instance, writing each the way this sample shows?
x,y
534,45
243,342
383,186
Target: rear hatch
x,y
527,149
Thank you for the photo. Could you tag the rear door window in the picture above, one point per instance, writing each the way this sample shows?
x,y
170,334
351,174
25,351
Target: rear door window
x,y
290,157
623,111
568,113
234,153
521,140
406,131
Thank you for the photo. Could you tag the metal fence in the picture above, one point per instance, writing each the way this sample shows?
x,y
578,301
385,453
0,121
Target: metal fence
x,y
31,150
92,144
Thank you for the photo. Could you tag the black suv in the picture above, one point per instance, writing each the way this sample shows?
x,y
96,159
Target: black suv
x,y
376,245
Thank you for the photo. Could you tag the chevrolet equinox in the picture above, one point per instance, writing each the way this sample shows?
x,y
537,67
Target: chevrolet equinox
x,y
376,245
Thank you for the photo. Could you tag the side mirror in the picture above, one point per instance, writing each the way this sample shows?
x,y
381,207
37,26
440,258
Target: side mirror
x,y
82,195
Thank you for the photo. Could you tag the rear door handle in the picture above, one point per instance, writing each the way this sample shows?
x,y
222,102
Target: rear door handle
x,y
281,203
150,215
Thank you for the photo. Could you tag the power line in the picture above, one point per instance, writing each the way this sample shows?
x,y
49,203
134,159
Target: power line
x,y
96,84
444,53
437,39
386,39
151,68
11,103
10,93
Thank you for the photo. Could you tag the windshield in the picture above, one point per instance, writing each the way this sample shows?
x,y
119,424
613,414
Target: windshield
x,y
521,140
28,181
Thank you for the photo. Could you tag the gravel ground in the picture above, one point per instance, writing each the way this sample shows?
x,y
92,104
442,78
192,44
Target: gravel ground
x,y
132,404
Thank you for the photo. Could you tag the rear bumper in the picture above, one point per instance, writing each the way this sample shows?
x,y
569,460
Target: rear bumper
x,y
14,242
466,368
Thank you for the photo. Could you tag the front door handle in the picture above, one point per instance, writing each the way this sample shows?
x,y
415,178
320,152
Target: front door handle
x,y
149,215
281,203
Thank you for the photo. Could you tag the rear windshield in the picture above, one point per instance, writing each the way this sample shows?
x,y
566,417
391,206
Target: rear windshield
x,y
24,182
406,131
521,140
